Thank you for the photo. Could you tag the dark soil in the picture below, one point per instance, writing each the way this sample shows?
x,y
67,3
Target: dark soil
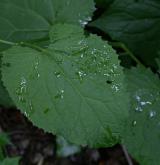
x,y
35,147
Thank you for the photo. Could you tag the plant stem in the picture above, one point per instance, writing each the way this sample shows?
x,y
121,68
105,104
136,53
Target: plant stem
x,y
7,42
114,44
31,46
129,160
123,46
22,44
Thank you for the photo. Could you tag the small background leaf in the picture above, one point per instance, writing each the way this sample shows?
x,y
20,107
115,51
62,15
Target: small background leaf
x,y
136,24
142,132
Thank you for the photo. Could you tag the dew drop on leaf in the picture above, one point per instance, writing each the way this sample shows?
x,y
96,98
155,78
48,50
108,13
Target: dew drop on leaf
x,y
141,103
80,75
134,123
57,74
152,114
115,87
21,90
30,106
83,23
60,95
36,64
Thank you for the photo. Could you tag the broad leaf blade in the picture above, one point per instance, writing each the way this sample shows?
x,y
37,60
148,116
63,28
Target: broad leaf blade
x,y
142,132
135,23
74,88
31,19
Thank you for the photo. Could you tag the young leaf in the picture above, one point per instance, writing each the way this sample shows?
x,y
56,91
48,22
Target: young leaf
x,y
135,23
142,132
31,19
74,88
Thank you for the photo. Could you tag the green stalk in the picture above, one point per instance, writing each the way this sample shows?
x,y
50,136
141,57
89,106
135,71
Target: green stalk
x,y
123,46
7,42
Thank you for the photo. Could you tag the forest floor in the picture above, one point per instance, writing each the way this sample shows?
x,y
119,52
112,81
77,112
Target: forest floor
x,y
35,147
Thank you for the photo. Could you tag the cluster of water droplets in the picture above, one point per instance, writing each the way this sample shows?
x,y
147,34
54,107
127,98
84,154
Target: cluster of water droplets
x,y
57,74
22,89
60,94
93,61
36,65
21,92
30,109
83,22
141,103
116,87
144,103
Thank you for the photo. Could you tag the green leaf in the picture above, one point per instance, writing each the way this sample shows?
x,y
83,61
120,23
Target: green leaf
x,y
31,19
5,100
136,24
10,161
142,132
74,88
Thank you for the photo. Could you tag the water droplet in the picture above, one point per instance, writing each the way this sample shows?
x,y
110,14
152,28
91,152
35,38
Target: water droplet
x,y
21,90
80,75
26,114
31,109
83,23
152,114
134,123
138,98
141,103
82,55
115,87
138,109
60,95
36,64
145,103
106,74
30,106
57,74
